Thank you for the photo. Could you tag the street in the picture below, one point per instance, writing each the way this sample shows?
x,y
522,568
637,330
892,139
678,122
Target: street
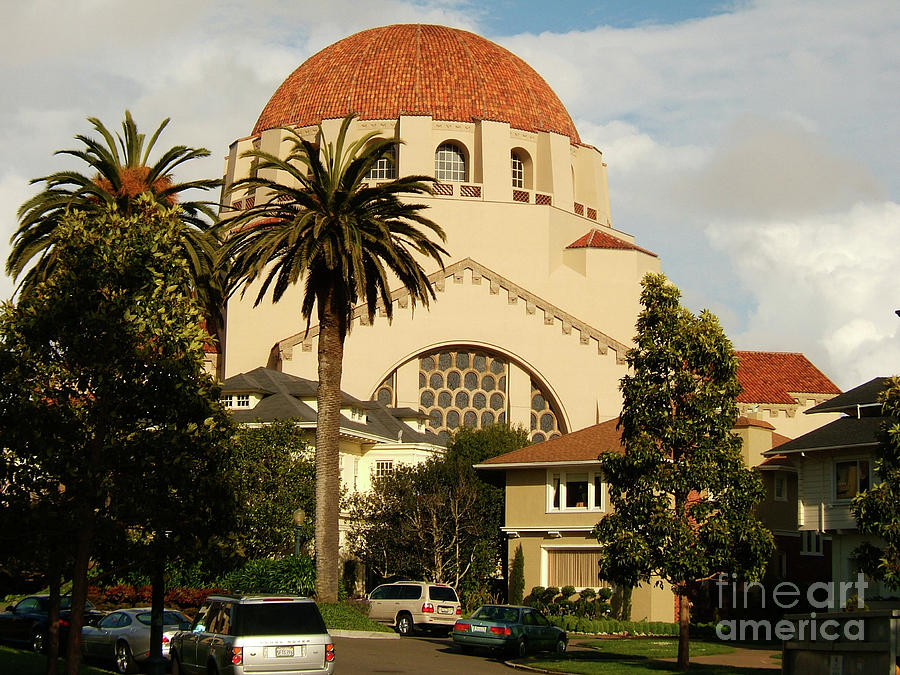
x,y
412,655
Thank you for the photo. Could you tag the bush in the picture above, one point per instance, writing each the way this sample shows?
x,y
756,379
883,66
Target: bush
x,y
517,577
567,592
294,575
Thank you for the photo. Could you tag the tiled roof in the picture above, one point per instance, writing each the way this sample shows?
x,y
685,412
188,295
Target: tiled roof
x,y
751,422
281,399
771,377
411,69
597,239
577,446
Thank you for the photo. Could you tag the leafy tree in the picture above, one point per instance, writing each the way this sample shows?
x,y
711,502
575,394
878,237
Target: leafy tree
x,y
321,227
682,497
517,577
877,510
103,395
120,171
437,519
276,476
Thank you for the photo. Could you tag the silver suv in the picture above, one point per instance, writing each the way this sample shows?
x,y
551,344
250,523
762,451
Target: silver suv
x,y
409,605
234,635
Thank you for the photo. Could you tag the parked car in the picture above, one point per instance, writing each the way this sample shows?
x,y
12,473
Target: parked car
x,y
411,605
233,635
26,623
515,630
123,636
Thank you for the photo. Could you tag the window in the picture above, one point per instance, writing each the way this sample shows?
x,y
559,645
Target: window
x,y
385,168
850,478
575,491
518,171
384,467
573,567
243,400
780,488
449,163
811,543
227,401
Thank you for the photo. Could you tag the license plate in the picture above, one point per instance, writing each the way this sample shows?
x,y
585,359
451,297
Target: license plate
x,y
284,651
479,629
445,610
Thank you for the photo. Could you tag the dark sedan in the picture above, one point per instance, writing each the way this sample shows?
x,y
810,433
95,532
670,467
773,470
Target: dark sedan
x,y
516,630
26,622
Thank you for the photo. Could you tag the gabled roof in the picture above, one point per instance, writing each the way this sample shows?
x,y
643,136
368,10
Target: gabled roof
x,y
845,433
863,395
281,394
772,377
576,447
597,239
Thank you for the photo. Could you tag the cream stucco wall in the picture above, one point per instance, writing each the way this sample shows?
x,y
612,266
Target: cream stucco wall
x,y
555,313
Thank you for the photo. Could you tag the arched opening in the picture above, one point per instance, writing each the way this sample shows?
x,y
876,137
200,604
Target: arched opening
x,y
521,168
385,168
450,163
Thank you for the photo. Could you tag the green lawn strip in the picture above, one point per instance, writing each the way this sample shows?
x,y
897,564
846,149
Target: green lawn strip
x,y
654,648
587,663
340,616
27,663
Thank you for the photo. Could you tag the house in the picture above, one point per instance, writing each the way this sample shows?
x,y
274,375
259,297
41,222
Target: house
x,y
374,438
833,464
555,495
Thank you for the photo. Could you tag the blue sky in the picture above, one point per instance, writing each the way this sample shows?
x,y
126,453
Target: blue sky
x,y
752,145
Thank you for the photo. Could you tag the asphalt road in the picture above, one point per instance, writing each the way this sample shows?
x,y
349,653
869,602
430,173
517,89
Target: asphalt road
x,y
418,655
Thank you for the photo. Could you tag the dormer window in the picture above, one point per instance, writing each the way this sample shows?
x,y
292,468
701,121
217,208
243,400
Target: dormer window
x,y
242,401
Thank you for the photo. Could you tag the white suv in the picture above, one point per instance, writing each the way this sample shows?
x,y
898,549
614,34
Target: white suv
x,y
409,605
234,635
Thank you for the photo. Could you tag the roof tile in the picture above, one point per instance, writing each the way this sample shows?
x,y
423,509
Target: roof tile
x,y
772,377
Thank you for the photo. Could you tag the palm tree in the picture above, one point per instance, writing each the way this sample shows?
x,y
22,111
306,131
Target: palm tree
x,y
117,177
342,239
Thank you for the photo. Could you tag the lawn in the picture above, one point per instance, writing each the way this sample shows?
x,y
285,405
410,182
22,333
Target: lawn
x,y
341,616
636,657
28,663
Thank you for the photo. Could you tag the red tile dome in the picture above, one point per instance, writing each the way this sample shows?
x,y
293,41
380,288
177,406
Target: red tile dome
x,y
447,73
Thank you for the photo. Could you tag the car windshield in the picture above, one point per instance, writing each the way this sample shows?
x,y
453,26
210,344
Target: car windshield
x,y
279,618
65,602
495,613
442,594
169,618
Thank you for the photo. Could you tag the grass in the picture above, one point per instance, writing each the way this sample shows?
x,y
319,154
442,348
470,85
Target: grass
x,y
341,616
27,663
636,657
654,648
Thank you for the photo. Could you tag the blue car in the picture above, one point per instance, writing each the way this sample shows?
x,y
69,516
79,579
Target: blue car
x,y
510,629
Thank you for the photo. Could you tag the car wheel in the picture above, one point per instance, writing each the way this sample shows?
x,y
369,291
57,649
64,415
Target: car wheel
x,y
561,645
38,642
124,659
405,625
520,650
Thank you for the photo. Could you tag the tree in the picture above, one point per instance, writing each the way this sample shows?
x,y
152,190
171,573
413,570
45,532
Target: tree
x,y
277,475
103,395
877,510
118,178
437,519
517,577
342,240
682,497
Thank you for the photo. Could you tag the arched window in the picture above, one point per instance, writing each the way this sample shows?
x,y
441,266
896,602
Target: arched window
x,y
449,163
518,170
385,168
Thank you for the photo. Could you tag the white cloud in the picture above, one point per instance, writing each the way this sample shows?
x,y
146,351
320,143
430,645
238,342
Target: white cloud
x,y
14,189
823,284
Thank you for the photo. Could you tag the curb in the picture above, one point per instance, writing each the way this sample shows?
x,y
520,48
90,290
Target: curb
x,y
531,669
367,634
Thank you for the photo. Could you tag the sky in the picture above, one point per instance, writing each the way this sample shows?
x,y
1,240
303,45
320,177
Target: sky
x,y
753,145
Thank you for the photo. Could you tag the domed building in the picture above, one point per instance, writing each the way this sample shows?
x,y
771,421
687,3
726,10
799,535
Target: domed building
x,y
538,299
536,304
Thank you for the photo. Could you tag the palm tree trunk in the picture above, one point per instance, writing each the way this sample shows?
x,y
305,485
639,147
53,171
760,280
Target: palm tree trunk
x,y
328,476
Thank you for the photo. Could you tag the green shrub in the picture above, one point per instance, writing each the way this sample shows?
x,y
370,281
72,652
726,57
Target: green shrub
x,y
294,575
517,577
587,594
567,592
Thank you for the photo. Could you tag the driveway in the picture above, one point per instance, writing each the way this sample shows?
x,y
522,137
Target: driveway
x,y
417,655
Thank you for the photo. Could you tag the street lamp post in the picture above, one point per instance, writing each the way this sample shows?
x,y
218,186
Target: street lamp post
x,y
299,519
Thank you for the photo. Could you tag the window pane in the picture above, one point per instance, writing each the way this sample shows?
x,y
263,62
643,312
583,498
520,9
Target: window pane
x,y
845,481
576,490
598,492
449,163
518,171
556,491
863,469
